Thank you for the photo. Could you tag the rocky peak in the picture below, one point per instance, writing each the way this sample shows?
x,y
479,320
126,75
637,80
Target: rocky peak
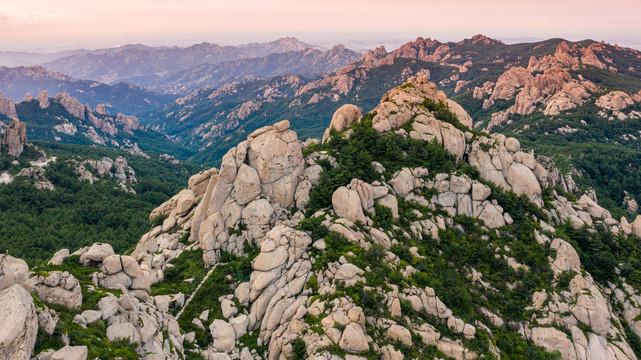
x,y
542,86
102,109
562,48
43,99
420,49
371,57
482,39
554,89
589,57
14,138
7,107
291,43
401,103
561,59
71,104
379,51
338,48
257,181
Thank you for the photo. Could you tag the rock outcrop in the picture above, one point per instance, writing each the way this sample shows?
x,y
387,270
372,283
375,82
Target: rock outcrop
x,y
118,169
36,175
128,122
12,271
14,138
7,107
19,323
70,353
43,99
615,100
71,104
510,81
124,271
57,287
343,118
256,182
398,106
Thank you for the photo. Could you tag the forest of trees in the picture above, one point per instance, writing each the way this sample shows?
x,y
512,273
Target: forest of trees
x,y
38,222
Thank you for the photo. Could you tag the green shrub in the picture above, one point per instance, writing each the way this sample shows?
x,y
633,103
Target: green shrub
x,y
314,227
383,218
300,349
189,264
158,220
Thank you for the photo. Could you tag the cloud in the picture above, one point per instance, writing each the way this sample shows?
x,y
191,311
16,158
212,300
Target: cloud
x,y
29,18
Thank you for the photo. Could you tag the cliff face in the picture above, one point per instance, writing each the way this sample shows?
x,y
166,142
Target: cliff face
x,y
405,234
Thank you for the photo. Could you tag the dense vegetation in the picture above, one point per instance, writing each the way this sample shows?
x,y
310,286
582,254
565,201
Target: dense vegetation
x,y
36,223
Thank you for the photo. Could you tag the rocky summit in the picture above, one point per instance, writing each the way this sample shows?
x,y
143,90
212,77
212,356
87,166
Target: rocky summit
x,y
404,234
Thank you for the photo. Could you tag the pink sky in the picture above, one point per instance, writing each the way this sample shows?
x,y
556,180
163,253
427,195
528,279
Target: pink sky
x,y
54,25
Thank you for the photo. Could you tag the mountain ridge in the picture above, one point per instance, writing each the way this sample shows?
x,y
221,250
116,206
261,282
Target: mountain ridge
x,y
115,64
307,62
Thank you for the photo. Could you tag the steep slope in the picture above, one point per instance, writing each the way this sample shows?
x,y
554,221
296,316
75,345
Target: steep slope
x,y
308,63
64,119
18,81
405,235
144,63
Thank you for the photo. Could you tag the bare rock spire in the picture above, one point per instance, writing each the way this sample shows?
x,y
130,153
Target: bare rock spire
x,y
8,107
14,138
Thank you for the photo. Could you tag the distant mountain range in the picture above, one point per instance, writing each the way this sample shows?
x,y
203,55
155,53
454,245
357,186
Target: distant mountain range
x,y
139,63
23,58
16,82
307,62
124,97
